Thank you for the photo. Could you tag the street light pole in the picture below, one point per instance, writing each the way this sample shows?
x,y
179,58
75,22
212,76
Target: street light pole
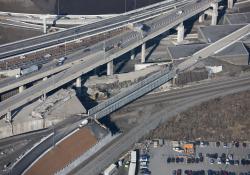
x,y
125,5
58,7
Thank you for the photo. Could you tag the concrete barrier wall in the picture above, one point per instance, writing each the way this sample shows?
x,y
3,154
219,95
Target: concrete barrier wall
x,y
87,154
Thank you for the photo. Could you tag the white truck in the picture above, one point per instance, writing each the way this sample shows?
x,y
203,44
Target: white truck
x,y
28,70
83,123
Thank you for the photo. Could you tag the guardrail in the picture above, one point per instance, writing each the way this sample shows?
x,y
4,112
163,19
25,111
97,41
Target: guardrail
x,y
148,84
40,148
128,91
215,47
72,165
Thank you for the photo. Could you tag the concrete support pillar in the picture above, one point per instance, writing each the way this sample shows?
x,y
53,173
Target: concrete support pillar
x,y
214,13
44,97
45,78
132,54
79,82
201,18
230,4
79,86
44,25
110,68
8,116
21,88
180,33
143,53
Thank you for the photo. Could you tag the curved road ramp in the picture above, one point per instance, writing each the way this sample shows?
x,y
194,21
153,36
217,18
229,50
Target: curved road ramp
x,y
60,157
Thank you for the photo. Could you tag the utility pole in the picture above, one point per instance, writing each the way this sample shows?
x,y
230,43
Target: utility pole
x,y
58,7
53,134
125,5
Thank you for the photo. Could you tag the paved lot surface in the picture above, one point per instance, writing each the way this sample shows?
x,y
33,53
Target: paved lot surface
x,y
158,159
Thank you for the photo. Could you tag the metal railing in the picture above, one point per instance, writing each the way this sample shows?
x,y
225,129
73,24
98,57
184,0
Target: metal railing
x,y
128,91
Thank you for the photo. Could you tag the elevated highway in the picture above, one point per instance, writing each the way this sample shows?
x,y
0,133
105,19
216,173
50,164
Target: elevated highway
x,y
53,39
129,41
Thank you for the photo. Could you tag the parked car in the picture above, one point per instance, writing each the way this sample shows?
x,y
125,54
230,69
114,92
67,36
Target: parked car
x,y
179,172
211,161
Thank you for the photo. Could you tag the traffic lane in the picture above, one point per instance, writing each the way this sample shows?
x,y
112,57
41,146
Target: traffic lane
x,y
70,59
41,88
59,133
112,152
76,31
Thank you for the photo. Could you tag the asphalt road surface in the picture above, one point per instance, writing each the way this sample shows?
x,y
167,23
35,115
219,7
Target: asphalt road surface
x,y
183,99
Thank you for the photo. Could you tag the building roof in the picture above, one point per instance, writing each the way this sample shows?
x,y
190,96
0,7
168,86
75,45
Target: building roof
x,y
211,34
182,51
237,18
236,49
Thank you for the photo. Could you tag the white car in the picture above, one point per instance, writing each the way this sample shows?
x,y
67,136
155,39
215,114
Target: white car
x,y
218,160
179,12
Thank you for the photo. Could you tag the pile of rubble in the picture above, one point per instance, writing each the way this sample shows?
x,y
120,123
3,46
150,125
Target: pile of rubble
x,y
52,101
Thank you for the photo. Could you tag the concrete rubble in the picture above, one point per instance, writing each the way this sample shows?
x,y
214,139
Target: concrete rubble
x,y
52,102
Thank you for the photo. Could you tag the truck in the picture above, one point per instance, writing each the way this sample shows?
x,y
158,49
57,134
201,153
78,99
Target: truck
x,y
28,70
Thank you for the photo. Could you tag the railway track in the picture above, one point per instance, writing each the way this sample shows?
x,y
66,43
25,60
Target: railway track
x,y
184,93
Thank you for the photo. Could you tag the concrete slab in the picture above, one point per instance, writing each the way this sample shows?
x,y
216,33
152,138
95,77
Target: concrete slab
x,y
210,34
23,121
181,51
237,18
236,54
237,49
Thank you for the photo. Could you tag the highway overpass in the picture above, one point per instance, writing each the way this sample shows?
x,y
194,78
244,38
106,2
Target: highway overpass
x,y
83,31
158,26
129,42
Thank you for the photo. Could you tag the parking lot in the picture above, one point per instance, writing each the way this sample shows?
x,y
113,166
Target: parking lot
x,y
212,158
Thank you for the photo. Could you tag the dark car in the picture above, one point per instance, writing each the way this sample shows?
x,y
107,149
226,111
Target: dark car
x,y
179,172
168,160
243,162
174,172
181,159
172,159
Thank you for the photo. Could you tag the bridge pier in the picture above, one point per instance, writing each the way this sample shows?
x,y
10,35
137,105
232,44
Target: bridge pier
x,y
8,116
214,13
143,53
79,85
110,68
180,33
44,25
230,4
21,88
201,18
132,54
